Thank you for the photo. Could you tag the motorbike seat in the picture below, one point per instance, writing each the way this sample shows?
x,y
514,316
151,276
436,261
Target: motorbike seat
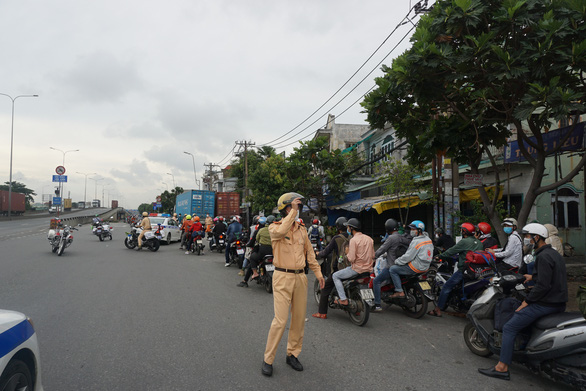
x,y
554,320
358,276
270,256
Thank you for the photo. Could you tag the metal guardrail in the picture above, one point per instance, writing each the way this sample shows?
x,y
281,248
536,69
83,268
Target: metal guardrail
x,y
88,219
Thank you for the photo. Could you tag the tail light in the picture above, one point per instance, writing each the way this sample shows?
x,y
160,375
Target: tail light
x,y
269,260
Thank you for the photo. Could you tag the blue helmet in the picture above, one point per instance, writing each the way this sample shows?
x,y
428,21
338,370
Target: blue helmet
x,y
417,224
262,220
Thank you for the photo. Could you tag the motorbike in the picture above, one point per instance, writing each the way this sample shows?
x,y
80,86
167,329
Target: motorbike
x,y
60,238
316,243
236,254
197,245
219,243
418,294
554,345
103,231
265,272
360,298
151,240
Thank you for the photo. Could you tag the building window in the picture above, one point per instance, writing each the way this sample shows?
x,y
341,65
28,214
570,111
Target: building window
x,y
568,208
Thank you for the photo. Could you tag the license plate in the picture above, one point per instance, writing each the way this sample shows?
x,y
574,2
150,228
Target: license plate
x,y
425,285
366,294
270,268
221,242
199,242
239,251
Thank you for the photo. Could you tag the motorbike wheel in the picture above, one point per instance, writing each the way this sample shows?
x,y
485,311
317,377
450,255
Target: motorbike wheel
x,y
61,247
474,343
54,249
269,282
168,239
197,248
421,301
110,237
129,245
316,291
155,246
359,311
240,261
101,238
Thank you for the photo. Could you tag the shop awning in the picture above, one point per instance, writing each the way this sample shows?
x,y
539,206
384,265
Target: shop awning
x,y
380,204
350,148
403,202
474,194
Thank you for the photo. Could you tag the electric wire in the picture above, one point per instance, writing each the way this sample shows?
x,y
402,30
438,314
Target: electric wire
x,y
229,154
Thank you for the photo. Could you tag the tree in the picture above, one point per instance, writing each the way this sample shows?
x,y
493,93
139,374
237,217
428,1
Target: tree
x,y
255,157
317,172
168,199
268,181
481,71
18,187
402,180
145,208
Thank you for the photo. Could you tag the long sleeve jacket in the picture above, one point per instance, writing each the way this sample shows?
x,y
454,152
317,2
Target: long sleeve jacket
x,y
419,254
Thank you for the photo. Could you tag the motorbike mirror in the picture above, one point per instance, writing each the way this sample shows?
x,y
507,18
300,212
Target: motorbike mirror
x,y
529,258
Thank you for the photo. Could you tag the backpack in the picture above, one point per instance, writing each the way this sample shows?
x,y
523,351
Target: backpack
x,y
479,257
504,311
314,231
478,264
402,246
341,244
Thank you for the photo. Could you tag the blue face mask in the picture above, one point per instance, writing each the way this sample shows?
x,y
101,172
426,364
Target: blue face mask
x,y
349,232
508,230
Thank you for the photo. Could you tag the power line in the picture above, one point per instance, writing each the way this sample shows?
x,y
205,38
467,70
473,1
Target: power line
x,y
347,81
228,154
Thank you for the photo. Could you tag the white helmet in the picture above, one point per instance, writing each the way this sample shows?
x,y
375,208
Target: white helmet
x,y
535,229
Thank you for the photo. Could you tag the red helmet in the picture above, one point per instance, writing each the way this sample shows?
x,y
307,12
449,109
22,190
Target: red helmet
x,y
484,228
468,228
315,221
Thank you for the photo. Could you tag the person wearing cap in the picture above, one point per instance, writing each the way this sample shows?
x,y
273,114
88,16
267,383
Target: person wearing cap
x,y
483,234
512,254
548,296
291,249
261,247
416,259
469,242
360,255
145,224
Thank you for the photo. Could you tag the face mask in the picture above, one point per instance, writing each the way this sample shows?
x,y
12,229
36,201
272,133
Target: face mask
x,y
297,218
527,242
508,230
414,233
437,236
349,232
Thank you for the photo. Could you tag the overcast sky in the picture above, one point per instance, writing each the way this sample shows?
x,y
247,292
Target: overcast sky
x,y
133,84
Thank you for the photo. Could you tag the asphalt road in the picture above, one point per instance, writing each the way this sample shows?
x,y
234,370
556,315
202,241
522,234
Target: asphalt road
x,y
109,318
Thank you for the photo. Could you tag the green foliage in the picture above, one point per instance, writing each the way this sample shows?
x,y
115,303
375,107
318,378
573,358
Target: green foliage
x,y
168,199
145,208
18,187
268,181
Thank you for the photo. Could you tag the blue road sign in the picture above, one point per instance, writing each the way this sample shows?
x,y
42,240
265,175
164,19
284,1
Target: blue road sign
x,y
59,178
56,200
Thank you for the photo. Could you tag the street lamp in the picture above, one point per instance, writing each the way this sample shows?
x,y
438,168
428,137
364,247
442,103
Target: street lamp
x,y
166,185
96,180
11,144
85,187
64,152
172,176
61,184
194,175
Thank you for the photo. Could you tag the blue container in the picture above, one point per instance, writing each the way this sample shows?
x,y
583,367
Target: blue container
x,y
196,203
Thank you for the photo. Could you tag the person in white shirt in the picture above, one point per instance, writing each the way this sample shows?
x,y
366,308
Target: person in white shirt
x,y
512,254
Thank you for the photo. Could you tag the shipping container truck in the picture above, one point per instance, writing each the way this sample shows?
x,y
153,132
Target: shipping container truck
x,y
67,204
196,203
114,204
95,203
227,204
18,203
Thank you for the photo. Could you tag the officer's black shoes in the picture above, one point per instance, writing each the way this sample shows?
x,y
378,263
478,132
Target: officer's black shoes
x,y
492,372
267,369
294,362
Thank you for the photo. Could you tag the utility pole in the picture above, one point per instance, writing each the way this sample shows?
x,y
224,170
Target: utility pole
x,y
245,144
210,174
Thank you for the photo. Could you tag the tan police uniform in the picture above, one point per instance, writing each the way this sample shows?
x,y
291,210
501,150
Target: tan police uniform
x,y
291,246
145,224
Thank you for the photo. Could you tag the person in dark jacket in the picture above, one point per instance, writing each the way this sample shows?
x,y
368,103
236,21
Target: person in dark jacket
x,y
443,241
548,296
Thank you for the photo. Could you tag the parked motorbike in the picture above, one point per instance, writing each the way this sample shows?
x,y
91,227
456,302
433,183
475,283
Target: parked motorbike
x,y
197,245
360,298
103,231
554,345
60,238
418,294
151,239
265,271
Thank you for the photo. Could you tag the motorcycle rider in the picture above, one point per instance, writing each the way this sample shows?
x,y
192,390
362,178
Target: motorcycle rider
x,y
262,247
293,251
468,243
483,234
219,228
416,259
511,256
390,246
145,224
548,296
336,247
233,229
442,241
195,230
185,231
316,231
360,254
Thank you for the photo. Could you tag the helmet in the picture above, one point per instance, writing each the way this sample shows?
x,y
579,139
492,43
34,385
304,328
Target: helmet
x,y
255,219
468,228
484,228
270,219
236,218
196,218
510,221
216,219
354,223
286,199
145,214
315,221
188,217
341,223
262,220
391,225
417,224
174,214
439,231
535,229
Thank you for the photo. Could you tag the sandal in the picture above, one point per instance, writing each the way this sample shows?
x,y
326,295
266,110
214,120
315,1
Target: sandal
x,y
433,313
320,316
398,295
337,301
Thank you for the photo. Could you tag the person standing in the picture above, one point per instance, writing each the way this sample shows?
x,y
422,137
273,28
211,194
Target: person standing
x,y
291,249
548,296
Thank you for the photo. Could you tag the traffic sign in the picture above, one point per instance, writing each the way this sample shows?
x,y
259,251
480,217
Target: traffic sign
x,y
59,178
60,170
473,179
56,200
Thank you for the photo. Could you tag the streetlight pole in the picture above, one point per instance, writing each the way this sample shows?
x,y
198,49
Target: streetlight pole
x,y
193,158
61,185
85,187
172,176
11,145
96,180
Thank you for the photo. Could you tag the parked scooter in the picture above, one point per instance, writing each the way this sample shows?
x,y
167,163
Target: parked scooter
x,y
103,231
417,294
60,238
360,298
554,346
151,239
